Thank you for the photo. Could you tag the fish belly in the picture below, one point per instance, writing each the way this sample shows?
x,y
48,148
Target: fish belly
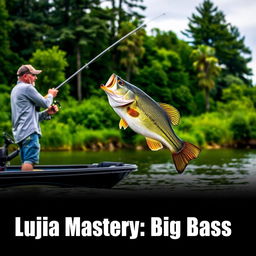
x,y
139,127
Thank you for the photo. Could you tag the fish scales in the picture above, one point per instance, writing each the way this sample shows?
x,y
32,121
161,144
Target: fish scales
x,y
153,110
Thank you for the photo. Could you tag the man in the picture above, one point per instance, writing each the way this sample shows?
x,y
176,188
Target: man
x,y
25,101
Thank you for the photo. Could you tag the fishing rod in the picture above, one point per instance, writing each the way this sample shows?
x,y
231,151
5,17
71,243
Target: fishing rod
x,y
107,49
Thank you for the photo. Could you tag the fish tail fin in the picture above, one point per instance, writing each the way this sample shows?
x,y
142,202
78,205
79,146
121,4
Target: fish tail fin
x,y
182,157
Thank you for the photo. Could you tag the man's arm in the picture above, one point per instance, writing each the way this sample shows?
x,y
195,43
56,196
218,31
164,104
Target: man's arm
x,y
38,99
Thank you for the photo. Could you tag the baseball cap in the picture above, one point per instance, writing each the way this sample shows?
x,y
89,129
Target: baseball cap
x,y
27,69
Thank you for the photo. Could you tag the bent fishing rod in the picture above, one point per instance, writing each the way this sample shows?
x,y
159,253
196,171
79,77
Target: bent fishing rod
x,y
107,49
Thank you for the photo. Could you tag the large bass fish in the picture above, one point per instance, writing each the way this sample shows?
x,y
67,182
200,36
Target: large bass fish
x,y
150,119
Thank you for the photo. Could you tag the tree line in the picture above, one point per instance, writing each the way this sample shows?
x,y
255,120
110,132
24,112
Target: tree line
x,y
160,63
207,72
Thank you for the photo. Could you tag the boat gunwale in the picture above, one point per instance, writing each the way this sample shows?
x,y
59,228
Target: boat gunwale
x,y
68,170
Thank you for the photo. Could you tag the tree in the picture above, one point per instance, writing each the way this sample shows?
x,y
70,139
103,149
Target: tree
x,y
7,57
209,27
78,26
206,64
124,10
131,49
30,25
53,63
163,71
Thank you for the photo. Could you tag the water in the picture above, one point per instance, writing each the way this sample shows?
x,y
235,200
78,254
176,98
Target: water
x,y
223,170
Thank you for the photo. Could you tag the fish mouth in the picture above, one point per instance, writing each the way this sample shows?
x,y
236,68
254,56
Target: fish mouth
x,y
105,88
111,81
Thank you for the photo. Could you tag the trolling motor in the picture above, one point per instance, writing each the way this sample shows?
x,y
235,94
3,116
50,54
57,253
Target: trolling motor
x,y
4,157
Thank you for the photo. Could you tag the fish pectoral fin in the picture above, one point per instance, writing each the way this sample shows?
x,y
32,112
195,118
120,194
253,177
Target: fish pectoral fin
x,y
154,145
123,124
172,112
132,112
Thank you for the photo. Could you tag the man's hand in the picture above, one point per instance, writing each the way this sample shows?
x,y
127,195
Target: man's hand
x,y
52,110
53,92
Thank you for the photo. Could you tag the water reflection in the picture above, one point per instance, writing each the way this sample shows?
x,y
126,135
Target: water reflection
x,y
223,169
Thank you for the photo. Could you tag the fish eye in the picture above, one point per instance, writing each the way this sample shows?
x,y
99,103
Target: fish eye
x,y
120,82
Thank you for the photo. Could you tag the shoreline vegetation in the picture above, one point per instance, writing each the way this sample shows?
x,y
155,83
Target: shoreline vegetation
x,y
209,130
92,125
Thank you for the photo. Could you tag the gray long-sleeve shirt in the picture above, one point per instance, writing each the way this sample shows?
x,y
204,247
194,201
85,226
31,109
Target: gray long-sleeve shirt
x,y
25,119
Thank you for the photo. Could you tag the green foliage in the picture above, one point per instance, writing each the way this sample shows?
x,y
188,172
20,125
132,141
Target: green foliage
x,y
8,59
199,98
209,27
162,74
240,127
78,125
219,128
140,140
5,103
30,24
183,99
85,138
128,136
159,63
233,92
94,113
237,98
250,93
5,88
206,65
56,135
82,32
131,49
252,125
5,117
5,26
53,63
206,129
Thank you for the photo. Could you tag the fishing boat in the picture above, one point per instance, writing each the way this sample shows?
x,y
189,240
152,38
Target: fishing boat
x,y
98,175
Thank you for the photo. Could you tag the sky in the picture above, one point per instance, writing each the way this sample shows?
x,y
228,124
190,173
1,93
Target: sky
x,y
240,13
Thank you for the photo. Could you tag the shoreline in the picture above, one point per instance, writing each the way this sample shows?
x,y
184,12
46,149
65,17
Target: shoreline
x,y
111,147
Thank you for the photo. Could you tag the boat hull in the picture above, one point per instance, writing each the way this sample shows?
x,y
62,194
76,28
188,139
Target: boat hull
x,y
102,175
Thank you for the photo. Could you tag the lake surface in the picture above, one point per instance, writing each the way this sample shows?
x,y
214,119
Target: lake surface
x,y
221,170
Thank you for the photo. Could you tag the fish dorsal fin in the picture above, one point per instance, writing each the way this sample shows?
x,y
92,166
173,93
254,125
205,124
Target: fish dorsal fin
x,y
123,124
172,112
154,145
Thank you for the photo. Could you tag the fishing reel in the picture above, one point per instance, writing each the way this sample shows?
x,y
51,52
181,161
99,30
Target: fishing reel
x,y
57,103
4,157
